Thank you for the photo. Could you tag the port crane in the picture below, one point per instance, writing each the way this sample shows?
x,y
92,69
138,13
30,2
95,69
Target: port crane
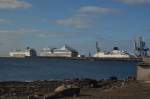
x,y
140,48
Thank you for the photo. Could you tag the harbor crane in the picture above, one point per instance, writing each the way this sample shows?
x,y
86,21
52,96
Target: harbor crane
x,y
140,48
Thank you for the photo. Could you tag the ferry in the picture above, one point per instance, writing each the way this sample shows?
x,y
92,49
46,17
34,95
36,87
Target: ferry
x,y
115,53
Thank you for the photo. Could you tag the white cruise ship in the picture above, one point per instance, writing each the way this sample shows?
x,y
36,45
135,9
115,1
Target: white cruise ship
x,y
64,51
115,53
28,52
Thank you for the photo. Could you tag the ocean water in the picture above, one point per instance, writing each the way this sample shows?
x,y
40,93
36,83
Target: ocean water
x,y
12,69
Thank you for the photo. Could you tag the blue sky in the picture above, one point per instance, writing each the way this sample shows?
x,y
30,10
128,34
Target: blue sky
x,y
79,23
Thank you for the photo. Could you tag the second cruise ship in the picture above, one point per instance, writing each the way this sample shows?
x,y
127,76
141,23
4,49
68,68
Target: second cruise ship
x,y
64,51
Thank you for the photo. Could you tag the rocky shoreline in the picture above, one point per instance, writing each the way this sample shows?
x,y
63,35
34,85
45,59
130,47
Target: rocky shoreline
x,y
111,88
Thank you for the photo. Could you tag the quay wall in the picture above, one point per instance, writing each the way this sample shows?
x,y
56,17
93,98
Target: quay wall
x,y
143,70
81,58
90,58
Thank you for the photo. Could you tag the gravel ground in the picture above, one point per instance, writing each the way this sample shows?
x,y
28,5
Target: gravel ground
x,y
107,89
132,90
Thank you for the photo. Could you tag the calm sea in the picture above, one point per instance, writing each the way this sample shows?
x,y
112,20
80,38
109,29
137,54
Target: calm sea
x,y
46,69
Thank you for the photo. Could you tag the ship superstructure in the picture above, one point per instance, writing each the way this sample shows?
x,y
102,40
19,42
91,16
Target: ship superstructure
x,y
28,52
64,51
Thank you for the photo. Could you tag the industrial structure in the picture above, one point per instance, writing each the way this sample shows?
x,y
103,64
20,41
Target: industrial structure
x,y
140,48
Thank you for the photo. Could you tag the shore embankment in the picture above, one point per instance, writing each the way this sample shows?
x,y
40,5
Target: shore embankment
x,y
111,88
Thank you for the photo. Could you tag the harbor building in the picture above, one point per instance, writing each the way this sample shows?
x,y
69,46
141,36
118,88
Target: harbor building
x,y
28,52
64,51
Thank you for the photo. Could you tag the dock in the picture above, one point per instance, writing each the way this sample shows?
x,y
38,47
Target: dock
x,y
80,58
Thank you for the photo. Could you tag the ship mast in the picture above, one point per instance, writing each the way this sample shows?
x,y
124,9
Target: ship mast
x,y
97,47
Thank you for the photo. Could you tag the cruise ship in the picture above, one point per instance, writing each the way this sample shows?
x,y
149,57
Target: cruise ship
x,y
28,52
64,51
115,53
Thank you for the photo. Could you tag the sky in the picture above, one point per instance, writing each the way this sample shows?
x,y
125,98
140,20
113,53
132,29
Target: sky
x,y
78,23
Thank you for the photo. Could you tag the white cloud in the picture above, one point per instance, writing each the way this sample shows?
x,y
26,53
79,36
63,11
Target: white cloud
x,y
134,1
17,33
85,16
13,4
96,10
11,35
76,22
5,21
